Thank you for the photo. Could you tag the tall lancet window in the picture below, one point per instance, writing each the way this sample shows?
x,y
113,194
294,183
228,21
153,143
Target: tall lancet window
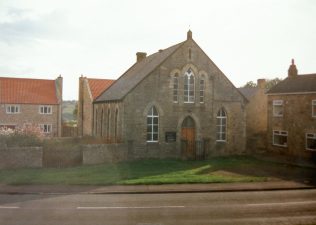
x,y
152,125
175,87
189,86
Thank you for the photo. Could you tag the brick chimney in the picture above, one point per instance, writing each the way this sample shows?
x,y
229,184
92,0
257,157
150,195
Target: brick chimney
x,y
140,56
261,83
292,72
59,93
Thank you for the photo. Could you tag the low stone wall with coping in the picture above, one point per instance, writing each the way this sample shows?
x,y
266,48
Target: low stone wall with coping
x,y
21,157
104,153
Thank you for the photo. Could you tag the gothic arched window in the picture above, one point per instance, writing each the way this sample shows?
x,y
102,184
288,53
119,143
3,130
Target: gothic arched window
x,y
152,125
189,86
221,125
175,88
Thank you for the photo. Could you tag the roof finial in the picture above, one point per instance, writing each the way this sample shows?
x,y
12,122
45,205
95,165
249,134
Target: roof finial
x,y
292,61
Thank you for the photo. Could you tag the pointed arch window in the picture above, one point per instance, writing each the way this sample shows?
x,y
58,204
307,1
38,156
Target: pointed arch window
x,y
116,124
202,87
101,124
175,88
152,125
221,125
108,124
189,86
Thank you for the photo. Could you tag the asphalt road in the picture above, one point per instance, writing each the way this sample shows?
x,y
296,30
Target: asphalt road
x,y
256,207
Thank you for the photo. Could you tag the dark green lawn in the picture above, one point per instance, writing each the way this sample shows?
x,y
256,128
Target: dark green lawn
x,y
216,170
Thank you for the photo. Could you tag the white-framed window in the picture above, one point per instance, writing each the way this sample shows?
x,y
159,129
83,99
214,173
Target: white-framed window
x,y
152,125
13,109
202,87
311,141
221,125
45,109
280,138
314,108
46,128
189,86
277,108
176,88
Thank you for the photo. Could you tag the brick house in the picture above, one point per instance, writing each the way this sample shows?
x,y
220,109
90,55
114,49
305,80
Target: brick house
x,y
31,102
292,115
89,90
173,103
256,118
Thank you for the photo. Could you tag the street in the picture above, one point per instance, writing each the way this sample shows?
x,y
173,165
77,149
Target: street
x,y
254,207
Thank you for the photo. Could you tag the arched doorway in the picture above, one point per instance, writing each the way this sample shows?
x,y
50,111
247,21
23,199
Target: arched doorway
x,y
188,137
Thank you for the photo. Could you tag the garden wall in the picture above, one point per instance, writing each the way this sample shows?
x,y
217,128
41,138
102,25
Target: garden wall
x,y
104,153
21,157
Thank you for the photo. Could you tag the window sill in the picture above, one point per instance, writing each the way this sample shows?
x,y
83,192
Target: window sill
x,y
283,146
310,150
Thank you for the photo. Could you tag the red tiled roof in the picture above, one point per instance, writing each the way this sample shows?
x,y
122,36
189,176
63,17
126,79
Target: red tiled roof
x,y
27,91
97,86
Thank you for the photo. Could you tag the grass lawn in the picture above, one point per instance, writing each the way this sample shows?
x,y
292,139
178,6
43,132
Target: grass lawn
x,y
155,171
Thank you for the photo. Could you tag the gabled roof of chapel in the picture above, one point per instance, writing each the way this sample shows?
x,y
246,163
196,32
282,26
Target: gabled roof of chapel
x,y
97,86
135,74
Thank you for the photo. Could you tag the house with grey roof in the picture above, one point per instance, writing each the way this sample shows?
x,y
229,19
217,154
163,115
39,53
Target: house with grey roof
x,y
292,115
173,103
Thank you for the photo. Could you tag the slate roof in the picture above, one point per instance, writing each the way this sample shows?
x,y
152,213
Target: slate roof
x,y
135,74
298,84
97,86
248,92
27,91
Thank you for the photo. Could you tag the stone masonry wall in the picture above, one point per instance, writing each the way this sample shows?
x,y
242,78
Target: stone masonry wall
x,y
29,114
297,121
29,157
157,89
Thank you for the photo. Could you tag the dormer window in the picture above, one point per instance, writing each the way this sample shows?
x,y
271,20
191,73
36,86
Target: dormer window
x,y
189,86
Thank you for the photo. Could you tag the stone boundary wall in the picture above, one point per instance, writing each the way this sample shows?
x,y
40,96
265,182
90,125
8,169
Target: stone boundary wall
x,y
25,157
104,153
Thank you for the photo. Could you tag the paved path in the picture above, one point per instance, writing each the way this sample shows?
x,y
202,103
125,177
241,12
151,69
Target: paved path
x,y
288,207
172,188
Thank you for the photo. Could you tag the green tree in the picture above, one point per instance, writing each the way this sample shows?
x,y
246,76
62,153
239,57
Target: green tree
x,y
269,83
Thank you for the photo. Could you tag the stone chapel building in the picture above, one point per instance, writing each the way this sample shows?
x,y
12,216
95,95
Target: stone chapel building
x,y
173,103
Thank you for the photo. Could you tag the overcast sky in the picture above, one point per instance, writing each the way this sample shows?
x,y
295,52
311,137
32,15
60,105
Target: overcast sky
x,y
246,39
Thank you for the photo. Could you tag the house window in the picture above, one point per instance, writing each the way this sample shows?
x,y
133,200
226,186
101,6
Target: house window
x,y
45,109
152,125
189,87
13,109
277,108
311,141
221,125
280,138
314,108
202,87
46,128
7,127
175,88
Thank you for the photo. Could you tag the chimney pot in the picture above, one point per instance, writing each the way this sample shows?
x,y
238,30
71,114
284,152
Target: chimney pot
x,y
140,56
261,83
292,72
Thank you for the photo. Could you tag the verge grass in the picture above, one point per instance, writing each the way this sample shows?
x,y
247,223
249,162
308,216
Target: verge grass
x,y
151,171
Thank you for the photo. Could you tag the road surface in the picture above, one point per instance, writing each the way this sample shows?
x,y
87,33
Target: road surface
x,y
233,208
